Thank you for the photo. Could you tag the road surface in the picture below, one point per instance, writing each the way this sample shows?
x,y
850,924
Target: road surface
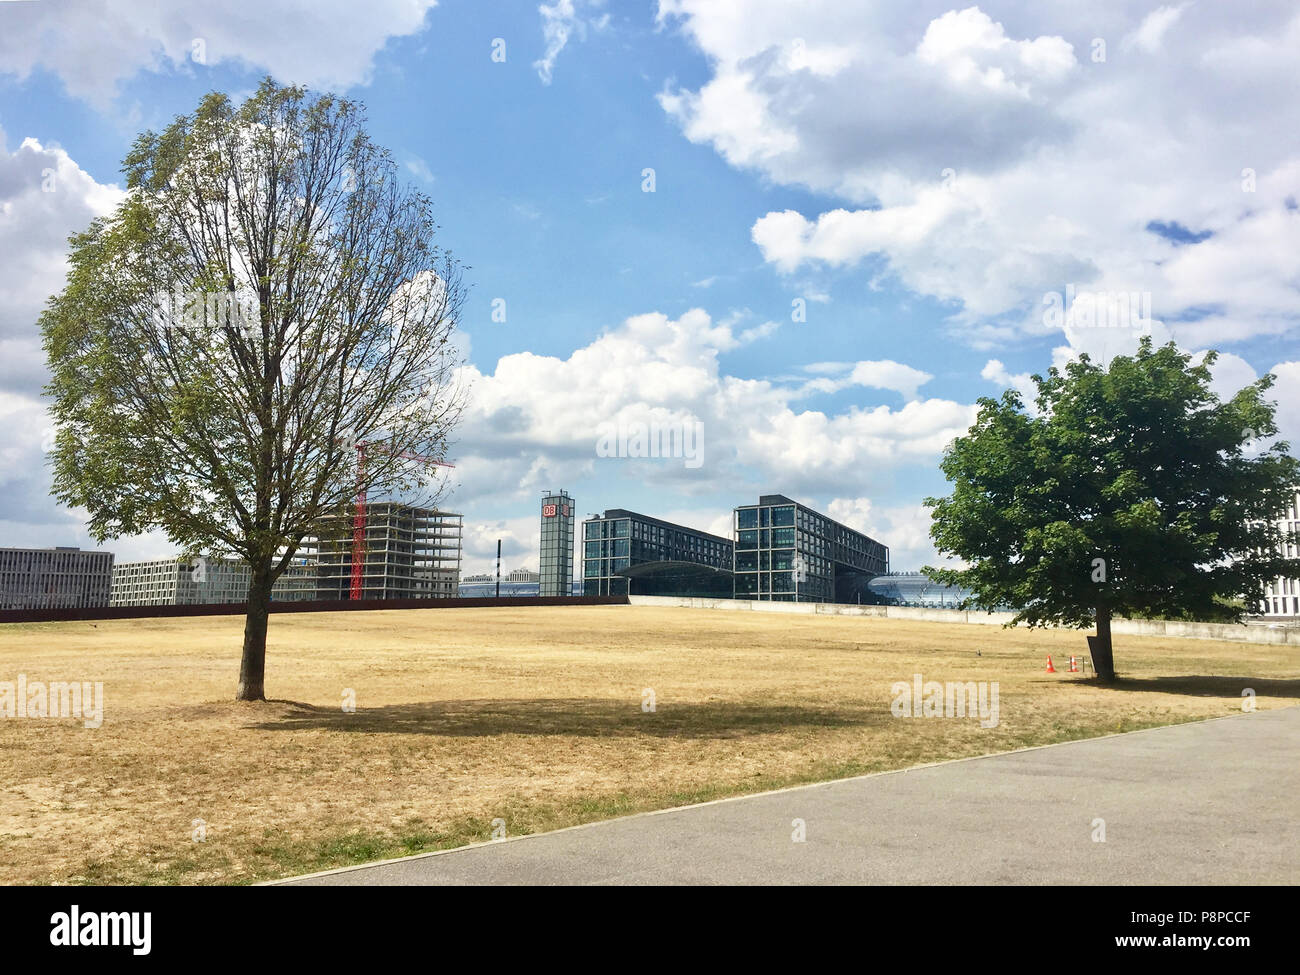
x,y
1213,802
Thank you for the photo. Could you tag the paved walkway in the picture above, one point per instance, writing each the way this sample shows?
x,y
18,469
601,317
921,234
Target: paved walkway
x,y
1215,802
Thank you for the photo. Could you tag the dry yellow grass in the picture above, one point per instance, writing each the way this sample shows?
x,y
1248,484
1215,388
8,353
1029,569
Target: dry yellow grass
x,y
533,716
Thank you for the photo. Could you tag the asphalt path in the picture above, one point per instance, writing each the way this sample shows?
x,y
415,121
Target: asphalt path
x,y
1211,802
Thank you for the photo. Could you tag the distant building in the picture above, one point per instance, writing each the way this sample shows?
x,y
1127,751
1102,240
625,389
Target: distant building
x,y
626,553
476,587
917,589
410,553
203,581
556,575
787,551
513,590
1282,596
519,582
54,578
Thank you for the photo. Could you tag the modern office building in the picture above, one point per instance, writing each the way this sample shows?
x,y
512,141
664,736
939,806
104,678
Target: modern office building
x,y
409,553
54,578
1282,596
626,553
787,551
203,581
556,575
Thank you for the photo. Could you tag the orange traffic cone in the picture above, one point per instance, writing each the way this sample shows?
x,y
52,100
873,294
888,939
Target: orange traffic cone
x,y
1074,665
1050,668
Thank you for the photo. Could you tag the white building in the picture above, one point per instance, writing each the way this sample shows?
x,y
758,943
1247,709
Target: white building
x,y
1282,596
205,581
54,578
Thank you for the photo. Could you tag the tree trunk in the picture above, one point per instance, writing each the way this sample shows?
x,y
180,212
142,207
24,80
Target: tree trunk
x,y
252,669
1103,659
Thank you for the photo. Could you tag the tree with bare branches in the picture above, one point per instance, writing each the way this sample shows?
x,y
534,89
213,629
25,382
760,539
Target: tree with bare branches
x,y
267,296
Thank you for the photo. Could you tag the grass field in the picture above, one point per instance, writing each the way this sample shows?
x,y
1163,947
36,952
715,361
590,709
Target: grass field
x,y
531,716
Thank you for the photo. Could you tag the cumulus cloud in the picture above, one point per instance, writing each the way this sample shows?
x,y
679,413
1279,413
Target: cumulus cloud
x,y
44,197
1286,393
872,374
993,154
534,422
904,528
970,48
93,47
1022,382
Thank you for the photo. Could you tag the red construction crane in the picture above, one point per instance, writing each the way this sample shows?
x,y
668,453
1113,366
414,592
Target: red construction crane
x,y
359,519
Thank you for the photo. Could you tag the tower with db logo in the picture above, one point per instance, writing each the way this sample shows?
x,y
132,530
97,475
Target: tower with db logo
x,y
556,578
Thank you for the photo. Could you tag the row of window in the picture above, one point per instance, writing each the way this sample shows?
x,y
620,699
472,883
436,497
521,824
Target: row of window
x,y
594,568
750,538
782,516
1278,606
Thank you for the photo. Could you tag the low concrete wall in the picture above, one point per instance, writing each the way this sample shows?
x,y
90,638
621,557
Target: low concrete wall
x,y
1236,632
298,606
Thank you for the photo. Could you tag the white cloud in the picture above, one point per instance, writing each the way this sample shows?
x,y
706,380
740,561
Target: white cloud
x,y
532,423
872,374
904,528
560,21
94,47
971,49
418,168
1022,382
1286,393
1150,34
520,544
988,159
44,197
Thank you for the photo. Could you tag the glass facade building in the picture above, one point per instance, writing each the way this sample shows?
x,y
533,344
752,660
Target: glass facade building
x,y
786,551
556,575
675,560
917,589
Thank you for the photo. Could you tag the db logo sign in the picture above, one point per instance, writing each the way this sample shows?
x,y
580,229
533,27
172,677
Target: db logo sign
x,y
565,511
548,511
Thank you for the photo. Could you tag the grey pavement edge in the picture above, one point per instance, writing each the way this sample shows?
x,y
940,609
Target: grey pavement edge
x,y
1207,802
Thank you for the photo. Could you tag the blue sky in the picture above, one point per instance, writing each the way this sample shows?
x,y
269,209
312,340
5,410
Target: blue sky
x,y
919,176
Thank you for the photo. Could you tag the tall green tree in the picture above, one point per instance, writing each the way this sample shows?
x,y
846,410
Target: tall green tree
x,y
267,296
1131,490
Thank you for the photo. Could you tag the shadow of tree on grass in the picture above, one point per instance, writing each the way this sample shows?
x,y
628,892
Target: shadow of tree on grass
x,y
1201,685
585,717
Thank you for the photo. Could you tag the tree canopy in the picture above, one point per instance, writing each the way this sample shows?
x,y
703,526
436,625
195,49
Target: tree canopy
x,y
267,296
1130,490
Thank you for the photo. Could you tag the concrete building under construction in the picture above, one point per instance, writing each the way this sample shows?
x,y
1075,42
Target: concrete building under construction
x,y
409,553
